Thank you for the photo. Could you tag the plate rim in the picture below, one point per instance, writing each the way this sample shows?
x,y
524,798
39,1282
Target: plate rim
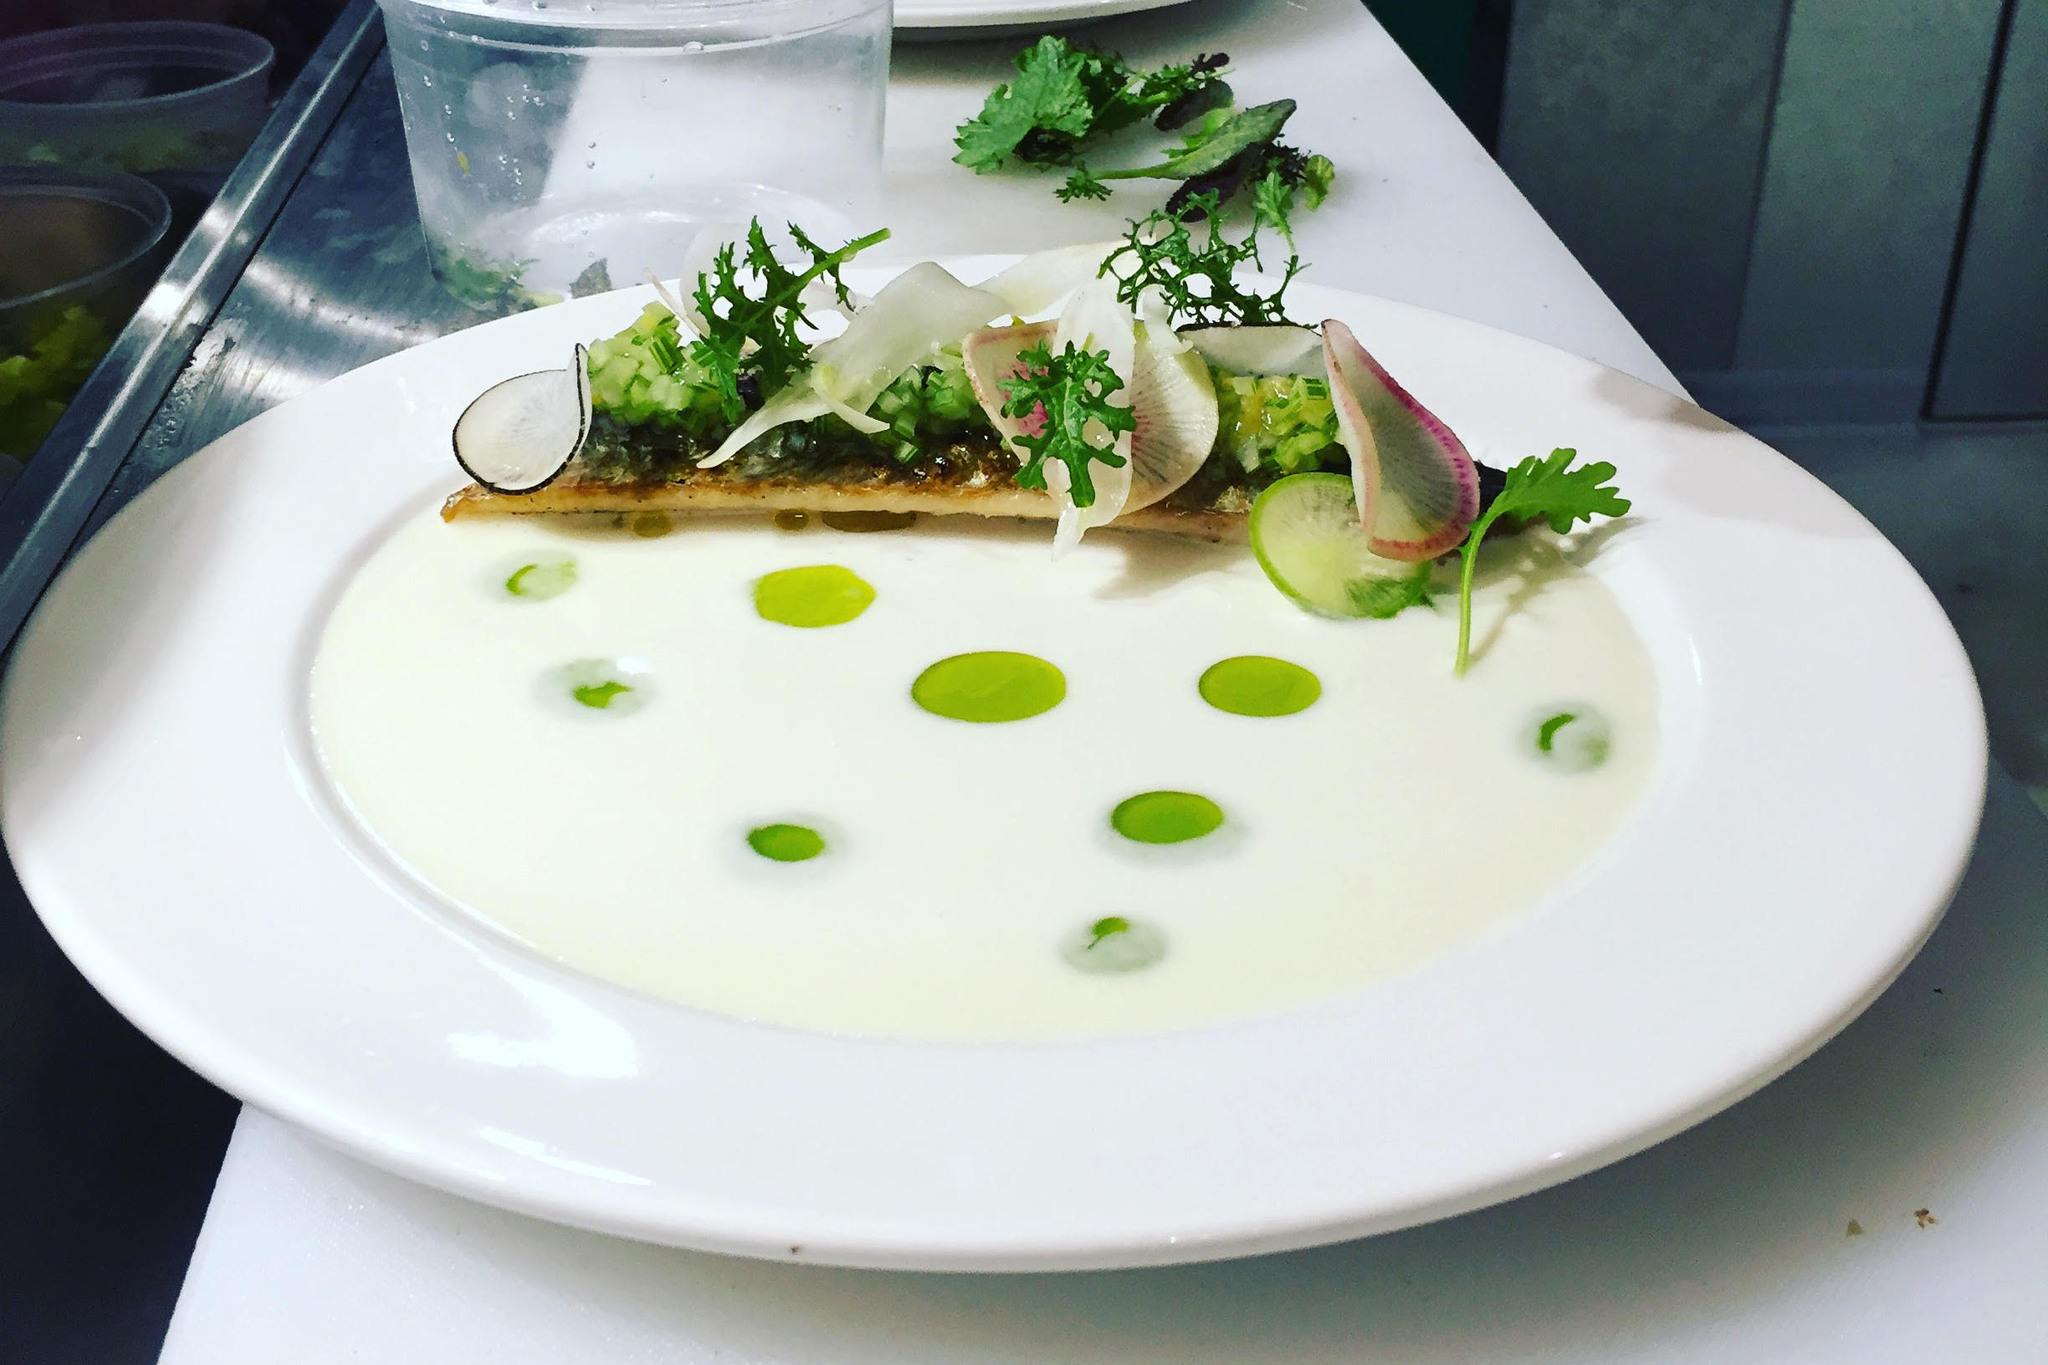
x,y
132,993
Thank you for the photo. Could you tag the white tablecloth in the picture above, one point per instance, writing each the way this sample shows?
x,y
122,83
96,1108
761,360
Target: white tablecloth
x,y
1731,1243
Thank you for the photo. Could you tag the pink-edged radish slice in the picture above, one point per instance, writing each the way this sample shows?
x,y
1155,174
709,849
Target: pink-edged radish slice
x,y
1172,399
995,354
520,433
1416,487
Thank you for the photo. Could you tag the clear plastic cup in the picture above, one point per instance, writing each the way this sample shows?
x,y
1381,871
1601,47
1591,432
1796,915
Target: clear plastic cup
x,y
564,147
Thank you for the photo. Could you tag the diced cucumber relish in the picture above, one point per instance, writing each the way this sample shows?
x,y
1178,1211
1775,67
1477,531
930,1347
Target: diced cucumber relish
x,y
644,376
1284,423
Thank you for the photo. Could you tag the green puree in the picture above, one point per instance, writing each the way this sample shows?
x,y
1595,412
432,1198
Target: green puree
x,y
786,843
992,685
1255,685
1166,817
812,596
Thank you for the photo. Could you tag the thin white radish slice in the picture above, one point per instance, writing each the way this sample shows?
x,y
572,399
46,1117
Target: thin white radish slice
x,y
919,311
1174,402
520,433
1416,487
1094,320
1045,279
1283,349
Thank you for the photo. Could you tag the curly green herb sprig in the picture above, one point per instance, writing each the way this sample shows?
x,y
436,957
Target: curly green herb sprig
x,y
1073,388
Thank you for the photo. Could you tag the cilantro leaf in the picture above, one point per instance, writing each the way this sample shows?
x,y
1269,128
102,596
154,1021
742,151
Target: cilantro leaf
x,y
1065,97
1050,95
1551,489
1194,279
755,337
1073,388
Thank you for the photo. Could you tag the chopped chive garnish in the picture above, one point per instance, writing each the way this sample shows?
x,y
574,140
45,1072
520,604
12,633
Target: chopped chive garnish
x,y
1104,927
1547,732
542,579
599,695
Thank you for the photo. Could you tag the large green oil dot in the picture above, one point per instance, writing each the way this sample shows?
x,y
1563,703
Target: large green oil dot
x,y
786,843
1166,817
812,596
1255,685
988,686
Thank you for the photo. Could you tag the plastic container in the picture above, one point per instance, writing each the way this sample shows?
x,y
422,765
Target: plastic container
x,y
83,248
570,147
167,96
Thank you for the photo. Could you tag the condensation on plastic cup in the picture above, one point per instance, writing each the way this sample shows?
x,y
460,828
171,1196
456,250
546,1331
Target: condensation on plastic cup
x,y
562,148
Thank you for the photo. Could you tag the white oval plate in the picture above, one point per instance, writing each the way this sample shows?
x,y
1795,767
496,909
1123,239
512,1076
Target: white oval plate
x,y
1820,774
992,18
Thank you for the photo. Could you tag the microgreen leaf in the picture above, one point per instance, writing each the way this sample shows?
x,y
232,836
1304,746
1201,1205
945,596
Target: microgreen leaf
x,y
1193,278
1551,489
758,334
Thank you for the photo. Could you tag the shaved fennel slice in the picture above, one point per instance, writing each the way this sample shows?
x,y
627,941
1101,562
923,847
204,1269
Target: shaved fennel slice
x,y
1045,279
1095,320
1260,350
1416,488
916,313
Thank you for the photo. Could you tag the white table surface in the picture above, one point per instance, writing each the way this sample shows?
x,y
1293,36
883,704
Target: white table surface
x,y
1730,1243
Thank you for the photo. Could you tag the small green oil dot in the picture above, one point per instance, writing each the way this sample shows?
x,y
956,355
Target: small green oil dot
x,y
786,843
812,596
990,686
1257,685
1166,817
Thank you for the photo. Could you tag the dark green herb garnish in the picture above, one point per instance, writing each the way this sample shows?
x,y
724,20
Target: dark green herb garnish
x,y
1065,96
1066,99
1074,387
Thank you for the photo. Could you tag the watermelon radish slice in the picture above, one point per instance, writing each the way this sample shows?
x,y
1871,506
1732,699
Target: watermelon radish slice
x,y
991,356
1416,487
1172,398
520,433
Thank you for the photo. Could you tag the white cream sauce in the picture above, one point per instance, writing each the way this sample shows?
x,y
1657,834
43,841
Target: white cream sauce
x,y
1401,815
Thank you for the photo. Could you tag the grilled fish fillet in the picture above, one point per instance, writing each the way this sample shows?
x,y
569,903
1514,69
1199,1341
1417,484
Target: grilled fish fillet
x,y
970,484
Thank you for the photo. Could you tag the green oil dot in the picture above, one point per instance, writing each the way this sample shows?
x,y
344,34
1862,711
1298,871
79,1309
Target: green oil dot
x,y
812,596
1166,817
989,686
1255,685
1113,944
786,843
542,579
